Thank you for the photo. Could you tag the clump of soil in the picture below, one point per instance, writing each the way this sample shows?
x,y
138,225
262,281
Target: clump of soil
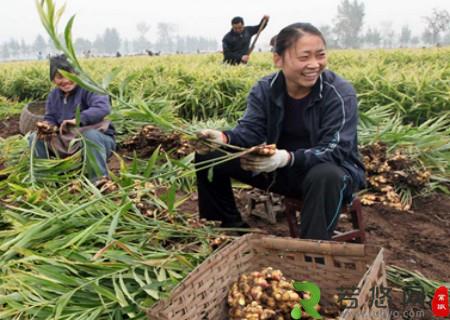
x,y
150,137
46,130
9,126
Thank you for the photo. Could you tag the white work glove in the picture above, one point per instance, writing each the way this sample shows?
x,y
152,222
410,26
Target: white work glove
x,y
258,164
211,136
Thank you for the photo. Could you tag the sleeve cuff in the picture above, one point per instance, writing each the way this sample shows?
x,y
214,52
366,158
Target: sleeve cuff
x,y
291,160
83,121
299,158
227,135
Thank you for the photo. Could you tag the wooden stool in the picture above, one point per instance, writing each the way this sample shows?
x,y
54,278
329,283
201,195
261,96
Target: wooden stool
x,y
272,205
357,234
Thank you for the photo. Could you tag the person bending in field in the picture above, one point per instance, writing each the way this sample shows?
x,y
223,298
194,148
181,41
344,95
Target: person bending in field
x,y
310,113
236,42
55,134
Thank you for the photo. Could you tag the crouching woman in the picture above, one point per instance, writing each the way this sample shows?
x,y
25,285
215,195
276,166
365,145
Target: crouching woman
x,y
56,133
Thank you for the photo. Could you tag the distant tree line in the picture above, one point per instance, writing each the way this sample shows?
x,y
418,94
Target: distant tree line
x,y
347,31
111,43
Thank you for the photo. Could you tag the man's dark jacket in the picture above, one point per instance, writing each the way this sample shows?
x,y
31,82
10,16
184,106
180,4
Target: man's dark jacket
x,y
331,118
235,45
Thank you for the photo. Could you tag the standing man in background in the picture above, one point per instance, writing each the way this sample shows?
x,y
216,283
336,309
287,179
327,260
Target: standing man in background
x,y
236,42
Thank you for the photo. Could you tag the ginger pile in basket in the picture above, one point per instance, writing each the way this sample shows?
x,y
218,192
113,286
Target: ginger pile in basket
x,y
262,295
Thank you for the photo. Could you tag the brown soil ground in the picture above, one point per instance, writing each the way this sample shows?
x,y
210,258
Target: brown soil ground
x,y
416,240
9,126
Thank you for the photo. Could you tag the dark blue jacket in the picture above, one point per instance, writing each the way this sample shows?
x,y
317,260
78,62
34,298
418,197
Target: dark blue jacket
x,y
235,45
93,107
331,119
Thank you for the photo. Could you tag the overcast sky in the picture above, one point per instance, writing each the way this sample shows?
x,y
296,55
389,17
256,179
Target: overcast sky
x,y
208,18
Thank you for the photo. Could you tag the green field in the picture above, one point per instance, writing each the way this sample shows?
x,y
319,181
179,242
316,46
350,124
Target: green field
x,y
416,83
67,251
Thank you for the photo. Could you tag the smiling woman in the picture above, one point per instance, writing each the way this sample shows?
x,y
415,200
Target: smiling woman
x,y
300,54
311,115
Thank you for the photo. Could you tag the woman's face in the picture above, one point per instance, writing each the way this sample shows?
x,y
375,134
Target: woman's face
x,y
64,84
303,62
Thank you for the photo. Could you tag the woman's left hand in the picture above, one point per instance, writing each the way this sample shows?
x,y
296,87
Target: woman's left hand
x,y
67,123
257,163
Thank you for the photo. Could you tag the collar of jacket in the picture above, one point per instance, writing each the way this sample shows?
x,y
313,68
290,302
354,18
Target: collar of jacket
x,y
278,90
237,34
71,93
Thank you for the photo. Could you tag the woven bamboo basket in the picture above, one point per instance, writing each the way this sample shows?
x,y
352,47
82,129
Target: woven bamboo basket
x,y
31,113
330,265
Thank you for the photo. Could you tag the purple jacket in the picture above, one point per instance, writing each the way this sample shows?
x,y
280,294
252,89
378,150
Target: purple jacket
x,y
93,107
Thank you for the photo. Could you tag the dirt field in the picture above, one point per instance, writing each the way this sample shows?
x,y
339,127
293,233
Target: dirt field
x,y
9,126
416,240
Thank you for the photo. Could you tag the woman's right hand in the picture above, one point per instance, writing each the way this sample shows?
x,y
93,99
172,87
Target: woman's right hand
x,y
215,137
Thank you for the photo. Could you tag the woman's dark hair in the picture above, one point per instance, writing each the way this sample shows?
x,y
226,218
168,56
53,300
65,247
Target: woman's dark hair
x,y
237,20
59,62
272,43
290,34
